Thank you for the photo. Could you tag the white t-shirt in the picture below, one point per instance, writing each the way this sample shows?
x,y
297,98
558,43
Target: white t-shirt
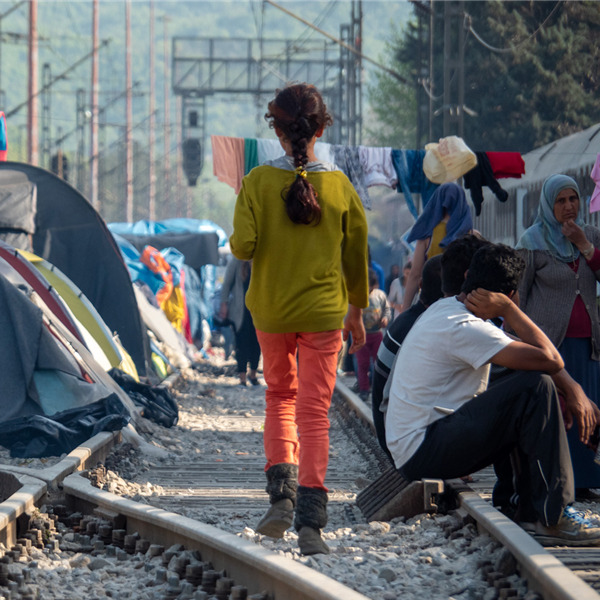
x,y
443,362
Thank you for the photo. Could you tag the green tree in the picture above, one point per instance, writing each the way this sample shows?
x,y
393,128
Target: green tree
x,y
532,73
393,103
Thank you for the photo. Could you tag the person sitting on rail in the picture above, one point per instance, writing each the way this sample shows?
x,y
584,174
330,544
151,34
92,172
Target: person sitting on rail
x,y
442,422
436,282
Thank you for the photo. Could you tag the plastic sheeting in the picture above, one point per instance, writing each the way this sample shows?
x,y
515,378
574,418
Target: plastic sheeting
x,y
157,402
39,436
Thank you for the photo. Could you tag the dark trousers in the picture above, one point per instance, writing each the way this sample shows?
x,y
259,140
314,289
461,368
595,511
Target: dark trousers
x,y
247,348
521,413
377,388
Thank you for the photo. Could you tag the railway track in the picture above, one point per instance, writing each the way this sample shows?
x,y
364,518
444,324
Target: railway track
x,y
234,485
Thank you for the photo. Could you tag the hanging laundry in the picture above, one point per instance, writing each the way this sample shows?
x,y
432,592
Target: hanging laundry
x,y
377,166
324,152
448,160
228,160
411,178
506,164
268,150
3,137
250,155
348,161
595,175
479,176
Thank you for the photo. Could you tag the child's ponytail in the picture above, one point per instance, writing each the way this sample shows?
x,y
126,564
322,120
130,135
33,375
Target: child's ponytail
x,y
299,112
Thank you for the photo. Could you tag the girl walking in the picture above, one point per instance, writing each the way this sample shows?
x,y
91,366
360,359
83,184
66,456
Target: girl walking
x,y
303,225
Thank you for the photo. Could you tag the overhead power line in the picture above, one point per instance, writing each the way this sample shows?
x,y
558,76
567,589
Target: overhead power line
x,y
389,71
16,109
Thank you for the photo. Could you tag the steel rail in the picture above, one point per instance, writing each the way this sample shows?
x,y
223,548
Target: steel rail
x,y
250,565
544,573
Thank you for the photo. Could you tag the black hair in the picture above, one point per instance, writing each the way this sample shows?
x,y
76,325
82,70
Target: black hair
x,y
373,278
431,280
298,110
496,268
456,260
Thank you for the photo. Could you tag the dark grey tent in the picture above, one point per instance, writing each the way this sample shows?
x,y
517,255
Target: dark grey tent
x,y
48,406
42,213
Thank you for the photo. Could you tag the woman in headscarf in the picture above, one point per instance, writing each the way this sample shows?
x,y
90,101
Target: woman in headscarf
x,y
558,293
446,217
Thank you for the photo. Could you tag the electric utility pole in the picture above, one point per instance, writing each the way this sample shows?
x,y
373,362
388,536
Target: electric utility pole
x,y
32,88
152,124
94,120
129,117
167,124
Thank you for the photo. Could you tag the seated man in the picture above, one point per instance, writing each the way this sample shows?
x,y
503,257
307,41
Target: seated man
x,y
441,421
435,283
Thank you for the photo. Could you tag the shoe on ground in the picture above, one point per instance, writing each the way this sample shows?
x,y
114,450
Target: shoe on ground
x,y
254,380
572,529
310,542
364,395
277,520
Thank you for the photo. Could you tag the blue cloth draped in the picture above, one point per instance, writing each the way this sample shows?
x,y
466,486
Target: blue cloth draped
x,y
450,198
411,178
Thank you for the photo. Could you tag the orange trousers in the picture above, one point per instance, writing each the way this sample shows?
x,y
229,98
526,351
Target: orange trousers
x,y
300,371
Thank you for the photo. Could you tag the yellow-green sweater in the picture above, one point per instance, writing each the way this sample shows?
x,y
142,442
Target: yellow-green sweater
x,y
303,276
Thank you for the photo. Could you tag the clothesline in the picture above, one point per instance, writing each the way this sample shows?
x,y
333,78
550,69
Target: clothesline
x,y
366,166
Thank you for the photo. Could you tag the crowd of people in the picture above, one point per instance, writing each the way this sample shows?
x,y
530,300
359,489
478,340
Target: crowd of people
x,y
473,353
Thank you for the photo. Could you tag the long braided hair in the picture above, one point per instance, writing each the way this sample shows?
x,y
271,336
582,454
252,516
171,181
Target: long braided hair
x,y
299,112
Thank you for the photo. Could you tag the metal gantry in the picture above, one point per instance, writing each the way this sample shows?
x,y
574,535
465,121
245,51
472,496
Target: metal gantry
x,y
203,67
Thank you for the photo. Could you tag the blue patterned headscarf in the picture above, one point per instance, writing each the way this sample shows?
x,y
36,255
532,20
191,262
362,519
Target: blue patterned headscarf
x,y
450,198
546,232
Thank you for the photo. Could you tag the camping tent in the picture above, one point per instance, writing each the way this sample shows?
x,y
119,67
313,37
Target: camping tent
x,y
54,394
90,322
42,213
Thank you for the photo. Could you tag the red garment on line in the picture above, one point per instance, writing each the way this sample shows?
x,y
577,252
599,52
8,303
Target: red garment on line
x,y
506,164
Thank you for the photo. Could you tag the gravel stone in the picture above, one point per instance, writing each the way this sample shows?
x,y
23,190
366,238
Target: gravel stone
x,y
409,559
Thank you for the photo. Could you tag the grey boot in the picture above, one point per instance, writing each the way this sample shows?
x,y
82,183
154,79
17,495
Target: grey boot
x,y
282,481
311,517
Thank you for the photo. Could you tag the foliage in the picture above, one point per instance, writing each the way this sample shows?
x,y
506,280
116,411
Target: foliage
x,y
389,100
533,76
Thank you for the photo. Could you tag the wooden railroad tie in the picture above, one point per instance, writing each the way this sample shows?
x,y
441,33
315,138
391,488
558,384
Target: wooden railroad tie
x,y
390,496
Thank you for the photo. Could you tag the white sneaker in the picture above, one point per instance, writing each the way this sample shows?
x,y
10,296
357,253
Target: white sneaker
x,y
572,529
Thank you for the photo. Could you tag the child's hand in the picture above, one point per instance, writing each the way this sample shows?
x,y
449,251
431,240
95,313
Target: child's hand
x,y
353,324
